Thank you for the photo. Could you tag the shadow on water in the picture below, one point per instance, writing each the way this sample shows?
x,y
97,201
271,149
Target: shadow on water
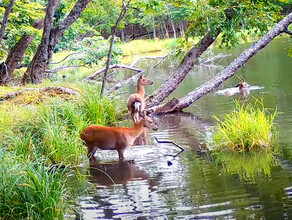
x,y
119,173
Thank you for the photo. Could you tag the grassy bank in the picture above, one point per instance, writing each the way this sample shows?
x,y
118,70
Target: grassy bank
x,y
136,47
35,135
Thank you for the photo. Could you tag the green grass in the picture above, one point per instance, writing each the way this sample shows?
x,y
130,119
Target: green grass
x,y
246,128
146,46
36,134
52,128
30,191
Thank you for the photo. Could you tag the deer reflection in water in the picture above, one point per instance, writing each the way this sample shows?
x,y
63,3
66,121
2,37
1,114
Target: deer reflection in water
x,y
119,173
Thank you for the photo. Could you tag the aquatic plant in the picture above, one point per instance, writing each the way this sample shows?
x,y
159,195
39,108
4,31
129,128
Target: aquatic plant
x,y
248,127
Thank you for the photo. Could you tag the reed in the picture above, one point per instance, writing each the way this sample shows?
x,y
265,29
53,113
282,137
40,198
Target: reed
x,y
248,127
30,191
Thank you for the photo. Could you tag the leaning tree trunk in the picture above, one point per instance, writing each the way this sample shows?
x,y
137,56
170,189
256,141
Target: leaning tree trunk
x,y
227,72
8,67
190,59
5,19
51,35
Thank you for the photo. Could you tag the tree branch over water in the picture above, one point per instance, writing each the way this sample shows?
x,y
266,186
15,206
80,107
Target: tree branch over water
x,y
227,72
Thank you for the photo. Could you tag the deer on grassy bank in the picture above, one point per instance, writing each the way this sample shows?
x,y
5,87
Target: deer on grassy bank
x,y
113,138
136,102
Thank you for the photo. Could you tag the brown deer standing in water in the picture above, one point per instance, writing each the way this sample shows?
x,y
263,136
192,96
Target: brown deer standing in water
x,y
112,138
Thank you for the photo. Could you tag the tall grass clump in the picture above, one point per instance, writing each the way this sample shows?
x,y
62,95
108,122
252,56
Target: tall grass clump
x,y
52,128
30,191
246,128
96,109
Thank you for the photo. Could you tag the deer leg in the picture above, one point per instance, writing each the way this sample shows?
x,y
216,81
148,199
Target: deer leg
x,y
121,154
91,153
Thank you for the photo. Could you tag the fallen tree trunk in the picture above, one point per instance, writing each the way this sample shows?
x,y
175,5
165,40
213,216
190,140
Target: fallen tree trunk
x,y
227,72
131,79
149,58
115,66
57,90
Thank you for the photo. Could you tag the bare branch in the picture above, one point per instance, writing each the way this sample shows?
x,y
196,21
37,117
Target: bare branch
x,y
131,79
115,66
114,30
150,58
207,60
53,71
69,55
288,32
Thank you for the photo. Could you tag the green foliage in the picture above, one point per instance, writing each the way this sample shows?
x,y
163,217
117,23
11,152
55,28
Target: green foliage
x,y
234,19
93,51
30,190
246,128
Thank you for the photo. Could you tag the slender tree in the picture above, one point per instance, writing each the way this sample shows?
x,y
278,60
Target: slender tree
x,y
114,31
5,19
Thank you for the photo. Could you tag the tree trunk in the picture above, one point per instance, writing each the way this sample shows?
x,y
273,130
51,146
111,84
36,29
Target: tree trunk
x,y
171,23
173,28
227,72
34,73
190,59
181,28
16,54
122,35
51,35
5,19
154,31
166,30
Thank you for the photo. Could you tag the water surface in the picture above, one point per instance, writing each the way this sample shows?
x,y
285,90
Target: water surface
x,y
197,184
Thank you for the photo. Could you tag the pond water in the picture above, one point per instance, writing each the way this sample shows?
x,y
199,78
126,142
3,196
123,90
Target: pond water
x,y
197,184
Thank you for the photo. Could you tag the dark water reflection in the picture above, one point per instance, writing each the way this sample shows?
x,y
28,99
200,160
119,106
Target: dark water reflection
x,y
199,185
